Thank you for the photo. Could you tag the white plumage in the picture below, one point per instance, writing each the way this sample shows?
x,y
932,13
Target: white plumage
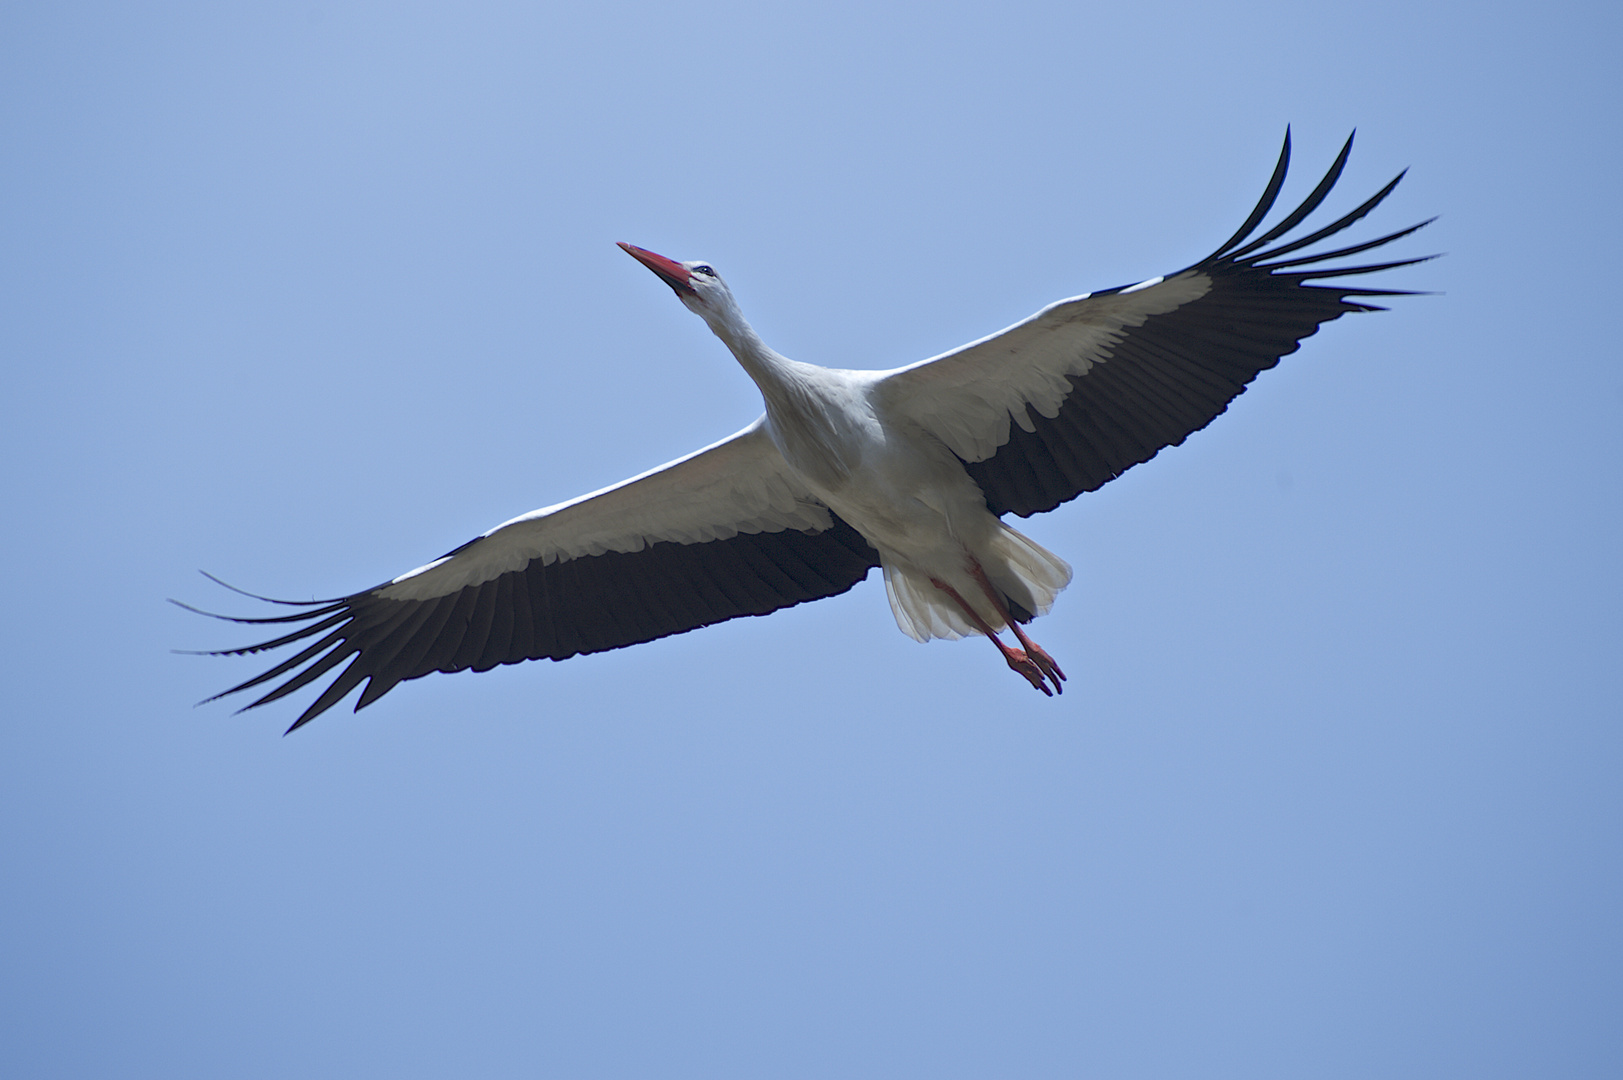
x,y
911,469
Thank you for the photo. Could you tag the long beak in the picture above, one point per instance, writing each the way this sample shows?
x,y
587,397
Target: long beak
x,y
671,273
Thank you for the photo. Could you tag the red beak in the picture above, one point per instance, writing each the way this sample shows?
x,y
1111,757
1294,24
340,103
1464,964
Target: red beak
x,y
671,273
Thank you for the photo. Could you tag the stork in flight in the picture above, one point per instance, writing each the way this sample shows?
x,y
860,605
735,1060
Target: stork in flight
x,y
911,470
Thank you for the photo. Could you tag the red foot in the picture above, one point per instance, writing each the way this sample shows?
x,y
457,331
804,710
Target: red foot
x,y
1032,670
1041,658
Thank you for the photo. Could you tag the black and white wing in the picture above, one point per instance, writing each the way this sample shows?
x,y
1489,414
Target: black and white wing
x,y
1088,387
723,532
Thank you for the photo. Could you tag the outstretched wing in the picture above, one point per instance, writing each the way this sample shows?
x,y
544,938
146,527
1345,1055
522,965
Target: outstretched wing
x,y
1088,387
723,532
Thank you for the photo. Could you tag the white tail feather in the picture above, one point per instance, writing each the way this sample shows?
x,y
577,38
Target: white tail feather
x,y
923,611
1023,570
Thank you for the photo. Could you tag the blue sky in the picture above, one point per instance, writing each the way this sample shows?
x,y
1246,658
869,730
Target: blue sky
x,y
307,295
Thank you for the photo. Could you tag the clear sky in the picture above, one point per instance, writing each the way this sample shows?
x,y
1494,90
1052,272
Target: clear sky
x,y
307,294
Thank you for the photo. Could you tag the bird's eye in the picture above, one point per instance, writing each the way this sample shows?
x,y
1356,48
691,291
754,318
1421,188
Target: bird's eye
x,y
705,270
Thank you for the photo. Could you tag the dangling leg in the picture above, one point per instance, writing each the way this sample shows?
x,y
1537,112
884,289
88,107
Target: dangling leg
x,y
1037,653
1016,659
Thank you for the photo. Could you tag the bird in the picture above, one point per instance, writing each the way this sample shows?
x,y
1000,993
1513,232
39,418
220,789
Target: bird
x,y
912,470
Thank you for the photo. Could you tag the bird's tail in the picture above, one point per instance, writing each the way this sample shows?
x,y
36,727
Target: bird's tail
x,y
1028,575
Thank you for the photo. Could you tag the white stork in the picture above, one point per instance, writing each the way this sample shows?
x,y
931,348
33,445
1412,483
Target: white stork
x,y
911,470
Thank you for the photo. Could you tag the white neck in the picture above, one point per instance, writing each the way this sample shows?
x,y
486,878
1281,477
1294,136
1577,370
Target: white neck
x,y
773,373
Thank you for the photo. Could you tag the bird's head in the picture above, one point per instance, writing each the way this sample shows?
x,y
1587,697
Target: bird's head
x,y
696,284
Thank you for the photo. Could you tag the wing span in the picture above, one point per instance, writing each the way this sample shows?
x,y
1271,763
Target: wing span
x,y
721,533
1088,387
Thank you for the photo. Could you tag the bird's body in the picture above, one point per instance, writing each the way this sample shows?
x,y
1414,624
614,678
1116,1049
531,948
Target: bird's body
x,y
898,486
910,469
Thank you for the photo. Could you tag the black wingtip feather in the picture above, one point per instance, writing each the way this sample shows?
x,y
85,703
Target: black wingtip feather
x,y
1349,271
1264,204
1339,253
1346,221
268,599
301,616
309,653
1309,204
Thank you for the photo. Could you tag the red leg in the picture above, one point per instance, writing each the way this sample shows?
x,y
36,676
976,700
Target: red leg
x,y
1038,654
1016,659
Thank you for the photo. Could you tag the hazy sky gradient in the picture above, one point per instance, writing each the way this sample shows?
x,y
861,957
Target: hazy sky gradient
x,y
306,296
